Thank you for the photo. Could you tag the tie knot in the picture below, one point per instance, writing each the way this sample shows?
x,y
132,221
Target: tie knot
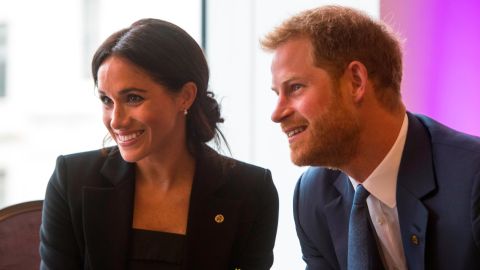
x,y
361,195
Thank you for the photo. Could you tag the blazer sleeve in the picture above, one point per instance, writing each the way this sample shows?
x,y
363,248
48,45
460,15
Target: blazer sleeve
x,y
312,257
58,245
258,250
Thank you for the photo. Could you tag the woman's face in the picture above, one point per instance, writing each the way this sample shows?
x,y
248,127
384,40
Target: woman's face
x,y
142,116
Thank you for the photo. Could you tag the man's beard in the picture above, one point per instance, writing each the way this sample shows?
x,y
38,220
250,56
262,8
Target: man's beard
x,y
332,140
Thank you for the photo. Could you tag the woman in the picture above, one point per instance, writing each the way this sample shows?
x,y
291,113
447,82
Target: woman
x,y
161,198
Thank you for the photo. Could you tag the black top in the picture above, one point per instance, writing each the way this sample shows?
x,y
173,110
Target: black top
x,y
156,250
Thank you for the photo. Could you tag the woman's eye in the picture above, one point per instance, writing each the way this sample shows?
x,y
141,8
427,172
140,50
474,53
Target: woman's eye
x,y
134,99
105,100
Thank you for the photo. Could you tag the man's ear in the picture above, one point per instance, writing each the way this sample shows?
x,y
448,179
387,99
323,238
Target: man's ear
x,y
187,95
358,75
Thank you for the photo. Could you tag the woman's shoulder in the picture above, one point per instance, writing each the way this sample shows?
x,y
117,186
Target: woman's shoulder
x,y
235,173
89,158
243,167
229,164
87,164
247,181
88,155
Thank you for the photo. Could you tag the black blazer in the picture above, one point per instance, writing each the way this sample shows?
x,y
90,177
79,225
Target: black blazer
x,y
88,213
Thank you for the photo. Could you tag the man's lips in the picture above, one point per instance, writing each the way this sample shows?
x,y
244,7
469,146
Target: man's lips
x,y
290,132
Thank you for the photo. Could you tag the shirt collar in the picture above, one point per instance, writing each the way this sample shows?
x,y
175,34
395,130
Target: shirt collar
x,y
382,182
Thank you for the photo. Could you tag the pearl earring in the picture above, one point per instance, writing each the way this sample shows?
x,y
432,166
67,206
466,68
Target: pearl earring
x,y
185,112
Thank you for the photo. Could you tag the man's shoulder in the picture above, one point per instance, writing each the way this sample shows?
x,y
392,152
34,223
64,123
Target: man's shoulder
x,y
448,139
315,176
320,183
454,153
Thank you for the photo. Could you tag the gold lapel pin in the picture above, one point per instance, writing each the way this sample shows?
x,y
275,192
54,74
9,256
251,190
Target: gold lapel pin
x,y
219,218
414,239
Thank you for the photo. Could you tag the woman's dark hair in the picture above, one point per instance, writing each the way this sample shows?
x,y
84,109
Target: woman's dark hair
x,y
172,58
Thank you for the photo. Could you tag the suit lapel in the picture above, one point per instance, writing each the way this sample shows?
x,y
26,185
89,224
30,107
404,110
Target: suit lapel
x,y
107,214
337,212
415,180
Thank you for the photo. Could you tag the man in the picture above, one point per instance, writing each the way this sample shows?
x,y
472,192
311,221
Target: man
x,y
337,75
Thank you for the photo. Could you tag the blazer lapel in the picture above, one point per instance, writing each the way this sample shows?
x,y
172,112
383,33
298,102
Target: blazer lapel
x,y
415,180
213,217
107,214
337,212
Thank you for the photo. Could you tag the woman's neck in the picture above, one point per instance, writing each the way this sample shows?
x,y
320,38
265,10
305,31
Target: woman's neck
x,y
166,171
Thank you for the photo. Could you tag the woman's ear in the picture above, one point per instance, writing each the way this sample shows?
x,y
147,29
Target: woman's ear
x,y
358,74
187,95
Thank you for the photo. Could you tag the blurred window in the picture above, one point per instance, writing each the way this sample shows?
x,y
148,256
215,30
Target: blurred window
x,y
48,104
3,59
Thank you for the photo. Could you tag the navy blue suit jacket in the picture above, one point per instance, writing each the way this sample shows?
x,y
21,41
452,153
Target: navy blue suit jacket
x,y
438,202
88,213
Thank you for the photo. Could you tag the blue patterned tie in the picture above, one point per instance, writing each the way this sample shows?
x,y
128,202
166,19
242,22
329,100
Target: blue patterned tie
x,y
359,237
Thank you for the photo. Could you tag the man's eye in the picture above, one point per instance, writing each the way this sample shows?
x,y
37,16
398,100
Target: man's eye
x,y
296,87
134,99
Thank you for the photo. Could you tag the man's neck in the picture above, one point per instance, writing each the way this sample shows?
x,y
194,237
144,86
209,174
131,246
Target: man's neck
x,y
378,134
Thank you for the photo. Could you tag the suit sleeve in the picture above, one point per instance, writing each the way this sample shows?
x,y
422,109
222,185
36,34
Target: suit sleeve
x,y
258,251
58,245
476,210
312,257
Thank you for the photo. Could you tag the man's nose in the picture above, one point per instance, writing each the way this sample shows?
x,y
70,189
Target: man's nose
x,y
281,110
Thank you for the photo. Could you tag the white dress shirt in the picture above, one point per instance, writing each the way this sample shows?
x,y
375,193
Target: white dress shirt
x,y
382,203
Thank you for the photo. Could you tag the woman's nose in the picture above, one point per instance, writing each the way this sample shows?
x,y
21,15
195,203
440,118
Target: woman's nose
x,y
119,117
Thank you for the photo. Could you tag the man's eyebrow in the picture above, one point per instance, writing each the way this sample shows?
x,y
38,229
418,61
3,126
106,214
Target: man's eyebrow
x,y
287,82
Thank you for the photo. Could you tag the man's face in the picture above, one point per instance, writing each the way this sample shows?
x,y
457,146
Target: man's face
x,y
316,116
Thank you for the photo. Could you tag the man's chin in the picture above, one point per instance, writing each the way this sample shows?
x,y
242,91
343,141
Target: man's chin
x,y
305,160
300,160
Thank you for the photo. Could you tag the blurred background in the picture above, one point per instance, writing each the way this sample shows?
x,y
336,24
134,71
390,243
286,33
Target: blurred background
x,y
48,105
